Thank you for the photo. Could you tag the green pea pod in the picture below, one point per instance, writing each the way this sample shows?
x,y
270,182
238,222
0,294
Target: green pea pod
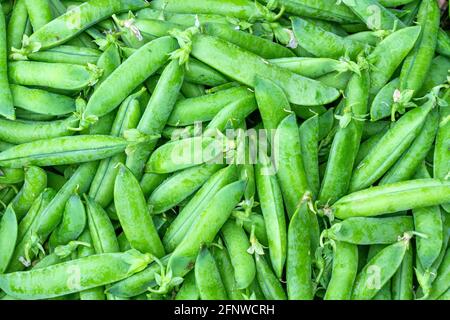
x,y
186,153
17,25
155,116
11,175
226,271
192,90
326,121
443,43
272,102
8,237
221,55
299,260
442,281
72,224
390,148
429,222
310,67
108,61
188,290
322,43
366,146
269,283
180,186
39,13
407,165
379,270
138,283
257,222
41,101
179,228
389,54
150,181
133,214
372,38
437,75
418,62
204,230
63,150
67,54
262,47
345,268
35,183
74,276
402,281
207,277
385,293
104,238
374,15
60,76
344,148
372,128
271,202
244,161
185,19
102,187
6,98
365,231
382,103
337,80
128,76
237,244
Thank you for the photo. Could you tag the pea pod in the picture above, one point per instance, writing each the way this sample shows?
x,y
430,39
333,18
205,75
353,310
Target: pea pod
x,y
6,99
188,290
67,54
180,186
73,276
62,150
207,277
220,55
39,13
392,198
35,183
437,75
345,268
379,270
365,231
133,214
443,43
17,25
8,237
109,60
11,175
269,283
150,182
441,283
256,222
226,271
382,103
402,281
214,215
385,293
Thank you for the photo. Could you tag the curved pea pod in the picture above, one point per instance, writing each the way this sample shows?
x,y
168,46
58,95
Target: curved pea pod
x,y
390,148
257,222
187,153
442,281
180,227
385,292
17,25
8,237
272,103
407,165
41,101
262,47
204,230
347,139
62,150
188,290
365,231
383,101
311,67
108,61
74,276
309,141
299,260
345,269
326,122
392,198
180,186
156,114
374,15
63,28
371,38
20,131
372,128
322,43
202,74
101,229
272,208
72,224
207,277
150,182
61,76
102,187
35,183
39,13
11,175
67,54
204,108
418,62
241,9
379,270
226,271
389,54
269,283
237,244
6,98
402,281
441,149
221,55
134,215
130,74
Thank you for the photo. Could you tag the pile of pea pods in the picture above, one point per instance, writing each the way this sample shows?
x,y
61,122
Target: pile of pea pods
x,y
224,150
